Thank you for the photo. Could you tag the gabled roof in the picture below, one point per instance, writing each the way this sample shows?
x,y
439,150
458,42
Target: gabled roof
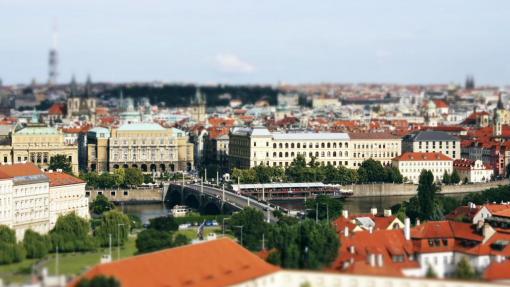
x,y
18,169
215,263
432,136
498,271
62,178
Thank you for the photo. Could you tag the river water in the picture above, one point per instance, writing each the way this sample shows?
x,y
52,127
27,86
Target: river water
x,y
354,205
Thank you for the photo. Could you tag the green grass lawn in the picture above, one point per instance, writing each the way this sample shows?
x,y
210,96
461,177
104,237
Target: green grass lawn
x,y
17,272
192,232
76,263
69,263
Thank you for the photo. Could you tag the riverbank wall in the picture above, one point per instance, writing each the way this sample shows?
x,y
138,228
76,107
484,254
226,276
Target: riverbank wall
x,y
128,195
390,189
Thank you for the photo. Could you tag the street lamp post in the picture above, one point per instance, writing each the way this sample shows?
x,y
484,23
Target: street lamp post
x,y
118,239
241,227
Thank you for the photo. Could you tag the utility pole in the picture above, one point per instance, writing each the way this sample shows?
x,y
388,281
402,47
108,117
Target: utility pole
x,y
263,193
205,174
263,241
56,261
202,186
316,213
118,239
110,245
218,178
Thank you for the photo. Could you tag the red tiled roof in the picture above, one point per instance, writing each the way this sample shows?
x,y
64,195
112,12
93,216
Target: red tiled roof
x,y
62,178
421,156
57,109
440,104
18,169
213,263
497,271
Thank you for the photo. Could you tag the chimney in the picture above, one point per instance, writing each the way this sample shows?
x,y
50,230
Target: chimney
x,y
345,213
387,212
418,222
371,259
346,231
407,228
50,171
499,258
373,211
352,249
380,261
371,229
59,170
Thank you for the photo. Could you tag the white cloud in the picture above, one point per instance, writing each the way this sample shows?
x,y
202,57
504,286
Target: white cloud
x,y
231,63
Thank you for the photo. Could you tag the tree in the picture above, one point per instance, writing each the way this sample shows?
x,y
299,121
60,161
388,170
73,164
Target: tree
x,y
71,234
455,177
101,204
163,223
249,223
327,207
371,171
427,196
304,245
393,175
508,170
430,272
62,162
116,224
464,270
35,244
180,240
446,178
10,250
99,281
133,177
152,240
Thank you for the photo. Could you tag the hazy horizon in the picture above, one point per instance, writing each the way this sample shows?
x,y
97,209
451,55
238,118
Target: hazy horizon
x,y
258,42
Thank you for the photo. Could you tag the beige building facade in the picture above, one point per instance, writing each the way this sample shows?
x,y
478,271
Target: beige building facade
x,y
382,147
38,144
411,164
149,147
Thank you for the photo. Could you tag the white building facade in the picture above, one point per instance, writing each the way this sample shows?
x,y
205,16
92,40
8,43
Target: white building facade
x,y
411,164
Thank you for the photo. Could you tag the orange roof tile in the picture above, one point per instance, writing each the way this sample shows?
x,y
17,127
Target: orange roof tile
x,y
213,263
18,169
62,178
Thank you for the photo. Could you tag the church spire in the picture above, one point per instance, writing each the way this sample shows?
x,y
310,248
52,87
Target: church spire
x,y
500,105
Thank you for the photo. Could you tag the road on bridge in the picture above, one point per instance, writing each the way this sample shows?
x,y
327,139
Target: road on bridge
x,y
237,200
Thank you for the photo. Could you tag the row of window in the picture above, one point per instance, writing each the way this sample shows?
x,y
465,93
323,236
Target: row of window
x,y
307,145
287,163
310,154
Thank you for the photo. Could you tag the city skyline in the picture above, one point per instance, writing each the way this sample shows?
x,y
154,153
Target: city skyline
x,y
257,41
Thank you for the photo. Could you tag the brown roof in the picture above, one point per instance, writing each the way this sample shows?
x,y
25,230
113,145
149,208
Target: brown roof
x,y
62,178
18,169
421,156
220,262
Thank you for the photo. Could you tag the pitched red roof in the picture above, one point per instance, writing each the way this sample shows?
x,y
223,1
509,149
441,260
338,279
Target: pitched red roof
x,y
62,178
498,271
57,109
18,169
421,156
215,263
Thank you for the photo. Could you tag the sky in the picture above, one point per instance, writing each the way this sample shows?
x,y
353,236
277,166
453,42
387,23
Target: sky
x,y
258,41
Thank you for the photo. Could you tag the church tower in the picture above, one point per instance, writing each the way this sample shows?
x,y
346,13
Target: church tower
x,y
497,129
53,59
198,108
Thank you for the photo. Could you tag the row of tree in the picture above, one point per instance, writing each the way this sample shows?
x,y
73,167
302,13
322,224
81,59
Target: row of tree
x,y
299,171
120,178
295,244
159,235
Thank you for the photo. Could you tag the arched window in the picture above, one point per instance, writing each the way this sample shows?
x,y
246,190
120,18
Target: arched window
x,y
292,154
334,145
316,154
340,145
274,154
310,154
329,145
346,145
334,154
286,154
281,154
280,145
292,145
322,145
340,153
286,145
298,145
274,145
316,145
